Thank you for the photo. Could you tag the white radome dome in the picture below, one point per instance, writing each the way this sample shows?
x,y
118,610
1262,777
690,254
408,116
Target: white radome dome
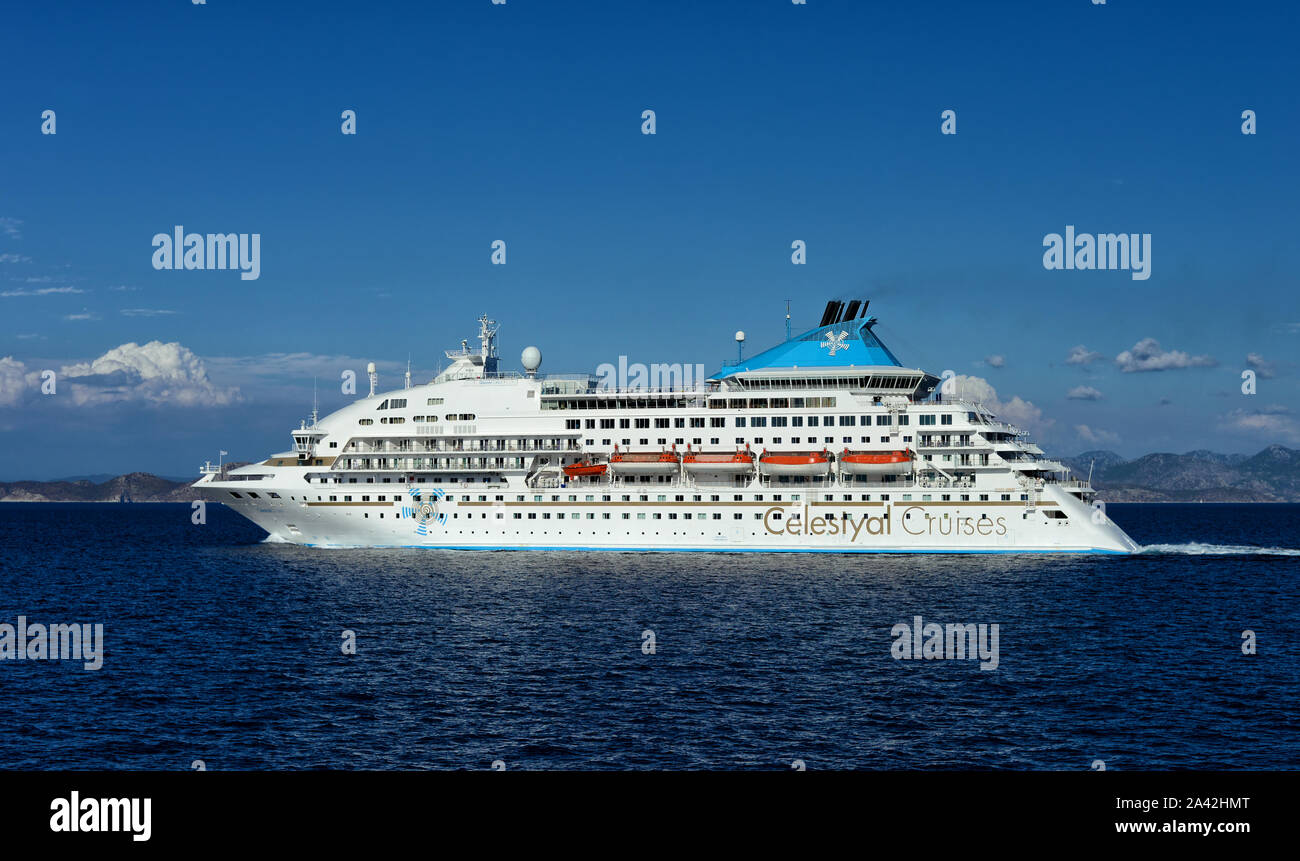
x,y
531,359
740,336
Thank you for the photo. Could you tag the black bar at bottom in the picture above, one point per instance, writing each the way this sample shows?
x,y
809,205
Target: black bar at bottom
x,y
213,809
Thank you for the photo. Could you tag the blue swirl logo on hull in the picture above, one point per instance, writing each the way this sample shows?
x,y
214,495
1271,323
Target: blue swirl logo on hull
x,y
424,509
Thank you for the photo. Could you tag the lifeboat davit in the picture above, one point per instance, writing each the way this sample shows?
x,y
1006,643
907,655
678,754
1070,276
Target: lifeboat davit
x,y
739,462
644,463
876,462
584,468
795,463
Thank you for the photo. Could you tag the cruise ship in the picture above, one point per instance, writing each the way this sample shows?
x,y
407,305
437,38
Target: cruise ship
x,y
823,443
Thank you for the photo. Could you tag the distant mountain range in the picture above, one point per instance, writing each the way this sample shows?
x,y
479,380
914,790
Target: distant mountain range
x,y
132,487
1272,475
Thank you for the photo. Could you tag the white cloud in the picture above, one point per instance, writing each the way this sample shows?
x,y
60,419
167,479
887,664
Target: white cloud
x,y
304,366
41,291
1263,367
84,315
1083,393
284,364
281,378
9,226
146,312
15,258
13,381
995,361
1017,411
1081,355
1096,435
154,374
1147,355
1274,422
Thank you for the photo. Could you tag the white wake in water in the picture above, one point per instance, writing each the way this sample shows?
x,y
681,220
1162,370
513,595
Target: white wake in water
x,y
1197,549
272,538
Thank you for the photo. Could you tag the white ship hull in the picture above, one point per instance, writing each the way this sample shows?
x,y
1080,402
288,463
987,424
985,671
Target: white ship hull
x,y
805,525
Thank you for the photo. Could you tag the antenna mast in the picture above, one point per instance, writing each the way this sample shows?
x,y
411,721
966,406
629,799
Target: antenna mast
x,y
787,319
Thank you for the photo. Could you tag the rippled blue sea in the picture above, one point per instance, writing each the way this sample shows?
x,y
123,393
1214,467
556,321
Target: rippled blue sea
x,y
222,648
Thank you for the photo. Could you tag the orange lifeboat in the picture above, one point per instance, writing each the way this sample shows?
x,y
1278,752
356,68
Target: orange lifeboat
x,y
806,463
584,468
644,463
737,462
876,462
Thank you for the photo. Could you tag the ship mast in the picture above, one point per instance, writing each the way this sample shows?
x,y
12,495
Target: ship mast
x,y
487,334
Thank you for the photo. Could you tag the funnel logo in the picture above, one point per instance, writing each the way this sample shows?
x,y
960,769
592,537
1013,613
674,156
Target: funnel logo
x,y
835,342
424,511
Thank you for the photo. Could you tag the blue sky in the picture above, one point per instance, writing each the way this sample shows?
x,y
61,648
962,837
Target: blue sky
x,y
522,122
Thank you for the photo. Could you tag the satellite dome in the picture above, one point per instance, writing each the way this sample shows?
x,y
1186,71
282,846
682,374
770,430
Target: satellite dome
x,y
740,336
370,368
531,359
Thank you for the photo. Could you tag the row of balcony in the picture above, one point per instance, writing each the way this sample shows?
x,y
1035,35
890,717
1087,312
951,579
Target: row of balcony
x,y
429,464
555,445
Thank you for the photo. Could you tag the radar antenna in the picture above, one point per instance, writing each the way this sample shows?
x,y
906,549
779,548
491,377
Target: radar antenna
x,y
487,337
